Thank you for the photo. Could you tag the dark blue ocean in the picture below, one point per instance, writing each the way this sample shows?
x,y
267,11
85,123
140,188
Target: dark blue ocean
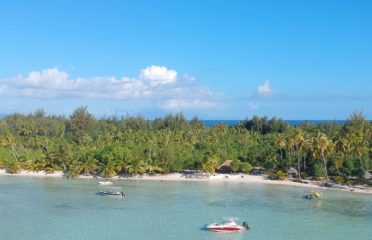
x,y
211,123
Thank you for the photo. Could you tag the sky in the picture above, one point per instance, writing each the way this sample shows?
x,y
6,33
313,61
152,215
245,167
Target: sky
x,y
211,59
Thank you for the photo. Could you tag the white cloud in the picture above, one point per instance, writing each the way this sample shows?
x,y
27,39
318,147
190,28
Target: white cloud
x,y
180,104
46,79
153,83
265,89
157,75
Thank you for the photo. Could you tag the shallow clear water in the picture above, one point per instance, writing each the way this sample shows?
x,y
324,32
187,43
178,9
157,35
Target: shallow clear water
x,y
48,208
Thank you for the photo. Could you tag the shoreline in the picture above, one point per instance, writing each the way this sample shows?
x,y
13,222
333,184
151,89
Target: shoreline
x,y
237,178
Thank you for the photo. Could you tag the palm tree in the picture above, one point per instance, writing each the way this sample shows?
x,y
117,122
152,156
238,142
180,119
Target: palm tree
x,y
281,144
61,156
10,141
298,141
86,164
122,156
12,166
323,146
108,169
290,148
342,148
211,164
136,167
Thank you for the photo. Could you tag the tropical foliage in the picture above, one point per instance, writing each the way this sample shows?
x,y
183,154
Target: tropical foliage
x,y
81,144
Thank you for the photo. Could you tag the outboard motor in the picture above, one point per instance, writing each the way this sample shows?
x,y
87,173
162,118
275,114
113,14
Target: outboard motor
x,y
246,226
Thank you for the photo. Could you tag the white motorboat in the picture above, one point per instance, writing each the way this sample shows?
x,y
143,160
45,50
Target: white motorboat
x,y
228,225
112,191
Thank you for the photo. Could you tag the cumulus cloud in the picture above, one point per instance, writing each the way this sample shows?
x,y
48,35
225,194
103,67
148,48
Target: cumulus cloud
x,y
153,83
265,89
46,79
158,75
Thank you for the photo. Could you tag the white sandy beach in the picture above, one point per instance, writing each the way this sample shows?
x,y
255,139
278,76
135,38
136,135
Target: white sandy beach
x,y
242,178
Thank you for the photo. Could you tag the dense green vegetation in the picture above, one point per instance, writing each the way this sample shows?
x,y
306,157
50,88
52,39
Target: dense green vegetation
x,y
82,144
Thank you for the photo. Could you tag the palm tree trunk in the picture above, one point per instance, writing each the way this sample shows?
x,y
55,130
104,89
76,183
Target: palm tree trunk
x,y
15,154
325,165
298,162
281,157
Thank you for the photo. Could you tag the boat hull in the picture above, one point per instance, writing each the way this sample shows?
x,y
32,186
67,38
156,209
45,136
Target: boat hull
x,y
226,229
216,228
118,194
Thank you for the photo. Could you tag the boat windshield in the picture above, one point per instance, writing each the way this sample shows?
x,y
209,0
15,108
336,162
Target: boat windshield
x,y
230,219
113,189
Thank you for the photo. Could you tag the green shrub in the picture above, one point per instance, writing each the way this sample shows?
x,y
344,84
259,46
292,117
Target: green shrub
x,y
12,167
235,165
245,167
339,180
304,175
272,175
281,175
318,171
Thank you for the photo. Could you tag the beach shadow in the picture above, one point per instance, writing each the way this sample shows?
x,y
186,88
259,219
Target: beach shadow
x,y
195,176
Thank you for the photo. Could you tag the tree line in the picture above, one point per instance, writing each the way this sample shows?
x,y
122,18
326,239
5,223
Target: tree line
x,y
82,144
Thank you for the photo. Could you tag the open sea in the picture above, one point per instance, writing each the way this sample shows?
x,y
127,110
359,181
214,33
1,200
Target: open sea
x,y
211,123
53,208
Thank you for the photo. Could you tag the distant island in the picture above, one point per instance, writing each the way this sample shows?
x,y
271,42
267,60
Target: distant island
x,y
80,144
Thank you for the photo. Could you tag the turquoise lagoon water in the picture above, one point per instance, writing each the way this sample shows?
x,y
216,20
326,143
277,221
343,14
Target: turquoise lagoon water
x,y
49,208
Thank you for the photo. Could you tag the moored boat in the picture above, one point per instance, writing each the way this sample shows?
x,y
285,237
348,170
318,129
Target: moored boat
x,y
112,191
313,194
228,225
105,183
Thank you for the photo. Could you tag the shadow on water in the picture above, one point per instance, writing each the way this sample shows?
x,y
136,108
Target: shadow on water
x,y
204,229
226,235
63,206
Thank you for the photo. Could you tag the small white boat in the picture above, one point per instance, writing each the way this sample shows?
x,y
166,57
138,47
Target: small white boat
x,y
228,225
105,183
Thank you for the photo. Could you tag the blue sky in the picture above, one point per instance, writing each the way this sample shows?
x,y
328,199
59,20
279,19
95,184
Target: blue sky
x,y
213,59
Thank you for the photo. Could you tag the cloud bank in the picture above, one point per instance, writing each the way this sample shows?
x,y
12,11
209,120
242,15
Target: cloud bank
x,y
155,83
